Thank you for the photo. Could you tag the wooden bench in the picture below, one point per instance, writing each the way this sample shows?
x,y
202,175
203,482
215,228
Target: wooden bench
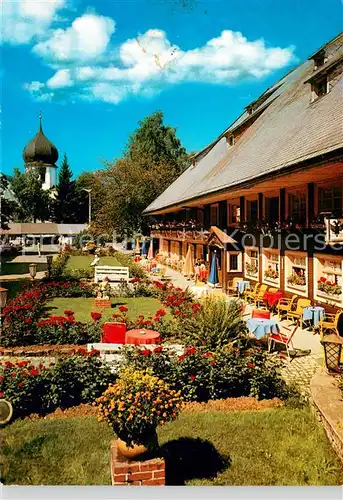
x,y
114,274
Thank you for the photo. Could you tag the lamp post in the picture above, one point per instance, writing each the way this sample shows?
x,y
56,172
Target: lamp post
x,y
33,271
49,263
332,349
89,204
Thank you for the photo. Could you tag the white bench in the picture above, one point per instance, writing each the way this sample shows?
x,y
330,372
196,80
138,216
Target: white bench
x,y
114,274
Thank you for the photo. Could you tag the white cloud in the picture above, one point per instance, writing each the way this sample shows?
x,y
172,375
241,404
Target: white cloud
x,y
61,79
34,86
87,38
23,20
147,64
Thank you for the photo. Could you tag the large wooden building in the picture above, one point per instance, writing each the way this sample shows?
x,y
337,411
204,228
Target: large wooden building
x,y
273,181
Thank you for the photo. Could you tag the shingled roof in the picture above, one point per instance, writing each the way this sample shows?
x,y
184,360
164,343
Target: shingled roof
x,y
290,129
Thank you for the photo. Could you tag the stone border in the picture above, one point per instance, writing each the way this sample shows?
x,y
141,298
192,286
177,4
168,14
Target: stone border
x,y
327,401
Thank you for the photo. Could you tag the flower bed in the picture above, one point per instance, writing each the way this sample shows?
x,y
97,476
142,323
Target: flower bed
x,y
230,371
44,387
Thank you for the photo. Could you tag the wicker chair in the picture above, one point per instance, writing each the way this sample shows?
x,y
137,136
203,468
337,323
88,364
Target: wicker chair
x,y
285,305
231,288
330,322
297,314
251,294
260,294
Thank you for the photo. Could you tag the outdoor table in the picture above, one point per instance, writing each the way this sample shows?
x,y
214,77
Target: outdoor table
x,y
142,336
260,326
242,285
272,298
314,314
199,291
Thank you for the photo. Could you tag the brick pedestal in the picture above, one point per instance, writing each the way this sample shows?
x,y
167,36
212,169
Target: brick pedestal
x,y
126,472
102,304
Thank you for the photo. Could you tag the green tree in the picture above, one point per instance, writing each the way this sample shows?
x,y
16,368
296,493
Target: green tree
x,y
153,159
67,200
34,203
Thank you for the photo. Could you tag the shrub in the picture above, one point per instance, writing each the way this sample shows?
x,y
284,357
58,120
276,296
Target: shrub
x,y
135,269
201,374
213,323
136,404
58,265
41,388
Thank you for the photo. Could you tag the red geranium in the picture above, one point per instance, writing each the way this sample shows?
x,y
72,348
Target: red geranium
x,y
20,384
190,350
96,316
123,309
1,394
208,354
68,312
145,352
160,312
251,365
322,279
181,357
158,349
34,372
22,363
177,313
192,377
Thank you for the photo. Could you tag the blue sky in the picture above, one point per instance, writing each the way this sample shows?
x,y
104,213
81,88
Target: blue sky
x,y
96,68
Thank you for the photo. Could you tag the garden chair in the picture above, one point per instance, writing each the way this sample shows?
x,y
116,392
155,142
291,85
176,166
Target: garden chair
x,y
284,337
113,333
330,322
273,290
260,294
232,290
297,314
251,294
285,305
258,313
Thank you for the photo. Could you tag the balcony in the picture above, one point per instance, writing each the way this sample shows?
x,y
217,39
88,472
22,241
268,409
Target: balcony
x,y
191,234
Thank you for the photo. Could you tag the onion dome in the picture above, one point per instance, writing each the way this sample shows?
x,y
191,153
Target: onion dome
x,y
40,150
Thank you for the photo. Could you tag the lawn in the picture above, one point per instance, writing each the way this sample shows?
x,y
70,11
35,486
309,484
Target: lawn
x,y
270,447
83,261
83,307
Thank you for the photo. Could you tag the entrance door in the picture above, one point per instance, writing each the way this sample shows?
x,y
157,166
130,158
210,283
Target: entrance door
x,y
272,209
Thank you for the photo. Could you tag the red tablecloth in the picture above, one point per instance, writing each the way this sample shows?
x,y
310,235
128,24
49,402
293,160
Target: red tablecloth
x,y
272,298
203,275
142,336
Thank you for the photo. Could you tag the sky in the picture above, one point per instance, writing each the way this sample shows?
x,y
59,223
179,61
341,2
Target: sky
x,y
96,68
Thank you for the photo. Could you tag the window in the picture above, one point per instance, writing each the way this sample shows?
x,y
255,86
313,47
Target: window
x,y
251,264
319,59
271,265
296,272
328,278
252,210
214,215
297,207
320,87
330,200
272,209
231,140
200,217
234,262
234,214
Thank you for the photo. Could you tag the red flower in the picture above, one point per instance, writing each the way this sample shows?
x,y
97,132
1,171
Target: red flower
x,y
181,357
2,379
115,316
123,309
20,384
177,313
28,320
161,312
9,364
68,312
1,394
134,280
34,372
329,283
158,349
22,363
251,365
145,352
322,279
96,316
208,354
190,350
192,378
212,363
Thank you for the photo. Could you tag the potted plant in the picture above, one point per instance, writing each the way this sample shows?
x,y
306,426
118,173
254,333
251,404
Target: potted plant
x,y
296,279
251,269
271,273
134,406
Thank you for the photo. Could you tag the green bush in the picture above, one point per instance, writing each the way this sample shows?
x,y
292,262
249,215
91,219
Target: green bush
x,y
43,388
135,269
214,324
58,265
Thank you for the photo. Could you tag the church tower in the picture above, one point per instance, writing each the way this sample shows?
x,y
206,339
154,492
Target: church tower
x,y
42,155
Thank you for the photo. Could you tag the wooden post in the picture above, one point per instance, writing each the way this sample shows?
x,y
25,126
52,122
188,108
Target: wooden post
x,y
310,198
282,204
260,206
224,269
242,207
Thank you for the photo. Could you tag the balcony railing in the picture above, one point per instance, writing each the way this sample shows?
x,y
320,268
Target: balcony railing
x,y
197,233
